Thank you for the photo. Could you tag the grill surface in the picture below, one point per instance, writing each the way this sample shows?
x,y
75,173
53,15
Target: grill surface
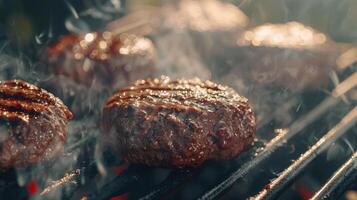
x,y
265,171
340,180
138,181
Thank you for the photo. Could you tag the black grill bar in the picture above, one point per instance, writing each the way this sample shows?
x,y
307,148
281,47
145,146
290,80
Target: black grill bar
x,y
181,176
339,181
289,174
118,185
175,179
69,177
271,147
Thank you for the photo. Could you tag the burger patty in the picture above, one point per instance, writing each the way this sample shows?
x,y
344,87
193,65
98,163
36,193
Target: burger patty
x,y
102,58
181,123
33,124
289,55
86,66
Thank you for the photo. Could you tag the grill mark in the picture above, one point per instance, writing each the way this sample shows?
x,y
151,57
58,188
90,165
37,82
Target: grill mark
x,y
154,88
166,97
21,106
13,116
20,110
136,93
190,93
171,107
21,97
26,95
118,97
17,83
173,94
197,106
200,102
173,86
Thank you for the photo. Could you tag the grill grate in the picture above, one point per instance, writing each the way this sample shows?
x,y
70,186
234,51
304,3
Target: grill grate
x,y
247,163
271,147
298,166
340,180
288,175
253,158
175,179
118,185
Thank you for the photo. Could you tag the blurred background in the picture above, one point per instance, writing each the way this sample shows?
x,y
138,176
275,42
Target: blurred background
x,y
23,20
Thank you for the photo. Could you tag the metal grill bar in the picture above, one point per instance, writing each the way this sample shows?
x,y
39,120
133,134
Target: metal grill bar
x,y
121,183
346,85
271,147
173,182
289,174
175,179
117,186
338,182
72,176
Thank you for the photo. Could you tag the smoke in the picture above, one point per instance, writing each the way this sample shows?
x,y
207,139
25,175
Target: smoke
x,y
16,65
96,15
178,57
191,44
11,67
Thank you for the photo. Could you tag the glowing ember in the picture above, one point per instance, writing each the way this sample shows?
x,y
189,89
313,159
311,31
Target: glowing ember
x,y
304,192
120,197
32,188
120,169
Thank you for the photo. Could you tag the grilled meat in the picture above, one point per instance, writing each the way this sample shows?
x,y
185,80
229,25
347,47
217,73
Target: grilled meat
x,y
160,122
33,124
289,55
87,65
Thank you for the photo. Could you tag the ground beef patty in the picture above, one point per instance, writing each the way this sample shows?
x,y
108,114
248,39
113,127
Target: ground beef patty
x,y
289,55
102,58
83,68
33,124
160,122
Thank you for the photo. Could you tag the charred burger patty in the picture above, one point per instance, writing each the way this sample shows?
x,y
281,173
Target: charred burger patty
x,y
33,124
160,122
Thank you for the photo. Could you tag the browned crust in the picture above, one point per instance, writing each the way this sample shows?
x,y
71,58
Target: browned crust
x,y
159,122
33,123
